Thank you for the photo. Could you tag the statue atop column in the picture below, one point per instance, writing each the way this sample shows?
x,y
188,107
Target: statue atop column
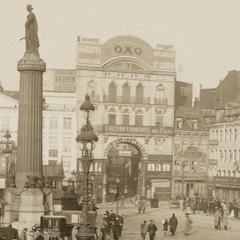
x,y
31,32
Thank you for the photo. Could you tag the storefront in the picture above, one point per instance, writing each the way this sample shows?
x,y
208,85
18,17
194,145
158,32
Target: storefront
x,y
159,176
227,188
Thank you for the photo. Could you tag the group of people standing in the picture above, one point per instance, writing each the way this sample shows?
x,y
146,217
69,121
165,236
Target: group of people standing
x,y
151,228
171,225
112,226
208,205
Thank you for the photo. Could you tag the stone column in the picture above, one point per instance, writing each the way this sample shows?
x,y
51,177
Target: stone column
x,y
29,154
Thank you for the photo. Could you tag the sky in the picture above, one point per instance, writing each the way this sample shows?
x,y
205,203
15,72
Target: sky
x,y
204,33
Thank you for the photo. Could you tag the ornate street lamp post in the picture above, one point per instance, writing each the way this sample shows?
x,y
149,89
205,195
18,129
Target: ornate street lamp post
x,y
7,152
183,164
117,193
86,141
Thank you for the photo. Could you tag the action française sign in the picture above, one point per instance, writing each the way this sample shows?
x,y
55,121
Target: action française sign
x,y
153,130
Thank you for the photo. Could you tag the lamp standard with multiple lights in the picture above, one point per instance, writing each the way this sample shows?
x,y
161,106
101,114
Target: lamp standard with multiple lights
x,y
86,141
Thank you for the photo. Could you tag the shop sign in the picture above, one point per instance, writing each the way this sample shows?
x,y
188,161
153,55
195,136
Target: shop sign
x,y
127,50
159,174
227,180
138,130
125,153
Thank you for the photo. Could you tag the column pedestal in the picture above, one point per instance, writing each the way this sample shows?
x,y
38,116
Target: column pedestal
x,y
31,207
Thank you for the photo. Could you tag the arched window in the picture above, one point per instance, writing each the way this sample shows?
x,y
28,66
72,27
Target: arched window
x,y
151,167
125,117
91,90
160,92
97,167
126,93
158,167
111,116
166,167
139,118
139,93
159,120
112,92
230,155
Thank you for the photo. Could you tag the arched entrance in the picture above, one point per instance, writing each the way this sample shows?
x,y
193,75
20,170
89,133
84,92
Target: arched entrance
x,y
125,175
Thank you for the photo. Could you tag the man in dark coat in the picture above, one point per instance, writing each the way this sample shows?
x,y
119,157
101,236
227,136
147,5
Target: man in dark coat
x,y
152,230
9,233
173,222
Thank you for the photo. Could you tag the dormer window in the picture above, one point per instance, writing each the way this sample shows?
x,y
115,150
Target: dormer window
x,y
179,123
195,124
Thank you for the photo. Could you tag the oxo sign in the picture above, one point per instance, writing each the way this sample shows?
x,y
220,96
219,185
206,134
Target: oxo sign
x,y
128,50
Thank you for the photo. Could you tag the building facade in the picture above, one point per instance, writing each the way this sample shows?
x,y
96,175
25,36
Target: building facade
x,y
190,153
224,153
183,94
59,130
227,91
132,86
59,126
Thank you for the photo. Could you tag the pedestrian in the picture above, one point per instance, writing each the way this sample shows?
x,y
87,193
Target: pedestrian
x,y
217,220
165,226
225,219
9,233
23,235
188,224
173,222
144,229
152,229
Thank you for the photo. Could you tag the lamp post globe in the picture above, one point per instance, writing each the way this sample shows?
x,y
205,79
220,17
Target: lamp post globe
x,y
86,141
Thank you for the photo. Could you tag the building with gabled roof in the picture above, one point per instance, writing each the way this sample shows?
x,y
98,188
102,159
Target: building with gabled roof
x,y
190,153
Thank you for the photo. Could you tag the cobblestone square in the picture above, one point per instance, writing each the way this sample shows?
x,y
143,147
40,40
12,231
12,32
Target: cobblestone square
x,y
202,227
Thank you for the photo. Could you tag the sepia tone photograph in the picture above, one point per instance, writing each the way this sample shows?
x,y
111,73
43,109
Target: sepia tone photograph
x,y
119,120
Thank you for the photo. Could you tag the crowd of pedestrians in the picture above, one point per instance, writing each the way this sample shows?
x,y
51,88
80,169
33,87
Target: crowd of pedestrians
x,y
209,205
112,226
212,206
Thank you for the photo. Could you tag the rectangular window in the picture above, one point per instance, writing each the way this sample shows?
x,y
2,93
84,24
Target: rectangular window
x,y
125,119
67,145
159,120
53,184
53,147
5,123
52,162
53,123
67,123
111,119
139,120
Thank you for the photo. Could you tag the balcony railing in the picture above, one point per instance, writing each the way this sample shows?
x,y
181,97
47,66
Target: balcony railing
x,y
122,99
161,101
